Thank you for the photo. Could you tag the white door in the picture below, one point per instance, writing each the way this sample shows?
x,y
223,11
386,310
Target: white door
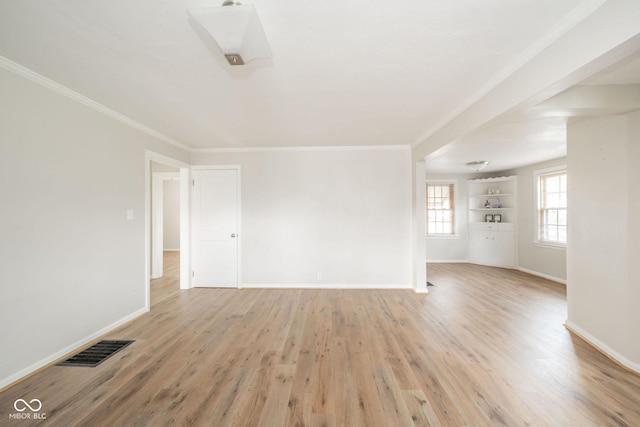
x,y
215,228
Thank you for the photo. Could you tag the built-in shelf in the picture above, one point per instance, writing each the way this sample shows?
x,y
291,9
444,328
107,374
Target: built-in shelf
x,y
491,195
492,209
492,242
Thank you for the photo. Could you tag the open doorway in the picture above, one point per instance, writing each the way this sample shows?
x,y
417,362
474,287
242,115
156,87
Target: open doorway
x,y
168,228
165,214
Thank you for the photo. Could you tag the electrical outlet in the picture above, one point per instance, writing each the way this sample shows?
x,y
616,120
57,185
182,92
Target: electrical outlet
x,y
319,275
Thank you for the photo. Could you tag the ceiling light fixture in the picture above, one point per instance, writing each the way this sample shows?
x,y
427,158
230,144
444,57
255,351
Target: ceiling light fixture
x,y
236,29
477,165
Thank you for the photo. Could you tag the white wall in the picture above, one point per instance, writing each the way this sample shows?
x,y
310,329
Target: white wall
x,y
602,256
539,259
344,213
633,233
452,249
72,264
171,214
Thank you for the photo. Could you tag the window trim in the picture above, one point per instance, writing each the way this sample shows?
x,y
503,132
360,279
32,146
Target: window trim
x,y
456,219
536,206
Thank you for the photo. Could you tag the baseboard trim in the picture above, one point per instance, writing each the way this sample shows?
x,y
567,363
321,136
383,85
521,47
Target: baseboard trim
x,y
322,286
544,276
35,367
508,267
602,347
446,261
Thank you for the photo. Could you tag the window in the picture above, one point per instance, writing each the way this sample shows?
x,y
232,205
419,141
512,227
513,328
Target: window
x,y
440,209
552,207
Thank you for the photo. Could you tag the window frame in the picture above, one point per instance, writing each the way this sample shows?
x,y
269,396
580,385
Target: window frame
x,y
537,232
454,215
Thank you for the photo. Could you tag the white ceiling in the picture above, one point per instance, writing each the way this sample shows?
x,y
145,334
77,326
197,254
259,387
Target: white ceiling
x,y
344,73
534,134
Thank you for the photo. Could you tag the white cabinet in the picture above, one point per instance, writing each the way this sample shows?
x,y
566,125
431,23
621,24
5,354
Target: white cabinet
x,y
492,221
492,244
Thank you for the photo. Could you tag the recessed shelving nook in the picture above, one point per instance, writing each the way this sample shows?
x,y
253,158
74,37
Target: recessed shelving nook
x,y
492,220
495,196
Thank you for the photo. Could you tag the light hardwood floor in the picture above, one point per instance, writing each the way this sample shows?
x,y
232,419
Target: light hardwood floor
x,y
486,347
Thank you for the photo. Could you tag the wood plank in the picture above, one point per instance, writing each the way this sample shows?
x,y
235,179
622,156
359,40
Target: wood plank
x,y
274,412
395,408
486,346
420,411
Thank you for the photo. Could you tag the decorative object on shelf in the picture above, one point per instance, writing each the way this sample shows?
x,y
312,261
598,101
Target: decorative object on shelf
x,y
487,204
491,191
477,165
488,218
497,218
497,191
494,203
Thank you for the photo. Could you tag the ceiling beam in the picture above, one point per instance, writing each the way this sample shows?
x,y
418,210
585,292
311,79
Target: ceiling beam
x,y
608,35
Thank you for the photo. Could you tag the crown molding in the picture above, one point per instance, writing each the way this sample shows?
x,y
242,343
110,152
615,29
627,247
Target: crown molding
x,y
315,148
39,79
31,75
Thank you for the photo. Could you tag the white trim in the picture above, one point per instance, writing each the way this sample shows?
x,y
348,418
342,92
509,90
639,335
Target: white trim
x,y
325,286
185,228
240,235
28,74
602,347
168,176
419,199
550,245
492,179
448,261
68,349
456,213
441,181
551,169
536,206
171,250
508,267
315,148
544,276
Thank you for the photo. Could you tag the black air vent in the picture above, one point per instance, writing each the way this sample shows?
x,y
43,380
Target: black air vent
x,y
96,354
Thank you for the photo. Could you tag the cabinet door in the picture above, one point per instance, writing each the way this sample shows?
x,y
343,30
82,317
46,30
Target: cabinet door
x,y
492,247
504,243
480,247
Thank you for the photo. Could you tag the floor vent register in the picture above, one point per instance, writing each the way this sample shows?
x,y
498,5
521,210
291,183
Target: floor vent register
x,y
96,354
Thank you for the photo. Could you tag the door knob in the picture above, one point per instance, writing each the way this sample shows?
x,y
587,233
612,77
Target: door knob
x,y
233,235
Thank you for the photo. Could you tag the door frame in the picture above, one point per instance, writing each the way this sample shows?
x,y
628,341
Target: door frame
x,y
185,219
238,170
